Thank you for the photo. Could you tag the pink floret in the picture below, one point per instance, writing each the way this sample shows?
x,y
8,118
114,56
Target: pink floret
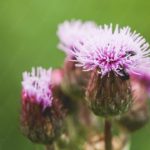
x,y
115,51
37,87
72,32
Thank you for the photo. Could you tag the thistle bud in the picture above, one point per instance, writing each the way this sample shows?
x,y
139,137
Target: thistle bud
x,y
42,113
138,116
57,79
71,34
75,81
108,95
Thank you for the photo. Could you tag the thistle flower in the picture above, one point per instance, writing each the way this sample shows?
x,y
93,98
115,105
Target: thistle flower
x,y
71,32
112,56
37,87
42,113
118,51
140,80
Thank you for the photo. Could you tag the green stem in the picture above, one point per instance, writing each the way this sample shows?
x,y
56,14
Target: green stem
x,y
108,135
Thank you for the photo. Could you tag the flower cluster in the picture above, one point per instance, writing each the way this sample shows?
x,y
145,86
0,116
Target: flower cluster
x,y
110,52
120,51
106,67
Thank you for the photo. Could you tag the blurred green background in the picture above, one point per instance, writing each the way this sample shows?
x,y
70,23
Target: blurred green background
x,y
28,38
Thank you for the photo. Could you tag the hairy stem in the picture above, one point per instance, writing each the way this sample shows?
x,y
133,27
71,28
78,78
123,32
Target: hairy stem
x,y
108,136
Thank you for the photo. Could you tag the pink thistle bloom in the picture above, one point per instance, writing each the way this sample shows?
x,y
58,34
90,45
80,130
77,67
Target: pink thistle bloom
x,y
57,77
141,76
37,87
71,32
118,51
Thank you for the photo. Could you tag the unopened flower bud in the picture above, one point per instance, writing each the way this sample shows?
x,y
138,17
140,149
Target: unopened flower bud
x,y
71,34
42,114
75,81
138,116
57,79
108,95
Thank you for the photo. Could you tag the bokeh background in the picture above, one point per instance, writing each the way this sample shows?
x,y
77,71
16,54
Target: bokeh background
x,y
28,38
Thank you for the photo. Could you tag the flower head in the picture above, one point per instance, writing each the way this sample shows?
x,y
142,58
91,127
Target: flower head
x,y
71,32
109,54
42,110
117,51
140,79
37,87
